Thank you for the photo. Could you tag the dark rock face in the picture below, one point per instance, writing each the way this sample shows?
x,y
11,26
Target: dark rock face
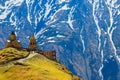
x,y
85,33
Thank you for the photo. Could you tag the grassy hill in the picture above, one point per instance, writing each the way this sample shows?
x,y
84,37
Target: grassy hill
x,y
33,67
10,54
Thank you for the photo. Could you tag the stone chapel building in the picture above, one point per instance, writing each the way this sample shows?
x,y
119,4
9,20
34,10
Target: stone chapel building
x,y
13,42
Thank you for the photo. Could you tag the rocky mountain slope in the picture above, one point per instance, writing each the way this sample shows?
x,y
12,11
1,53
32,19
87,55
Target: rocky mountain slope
x,y
84,33
15,65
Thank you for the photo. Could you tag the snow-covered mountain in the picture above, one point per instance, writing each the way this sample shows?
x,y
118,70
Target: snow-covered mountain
x,y
85,33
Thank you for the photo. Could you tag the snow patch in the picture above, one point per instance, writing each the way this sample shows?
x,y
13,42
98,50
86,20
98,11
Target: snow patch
x,y
48,9
62,1
53,17
83,42
60,36
49,38
52,41
40,32
8,7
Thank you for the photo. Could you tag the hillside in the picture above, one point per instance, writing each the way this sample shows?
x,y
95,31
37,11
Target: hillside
x,y
33,67
9,54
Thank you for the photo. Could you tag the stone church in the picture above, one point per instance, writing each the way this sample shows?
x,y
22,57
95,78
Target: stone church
x,y
32,44
13,42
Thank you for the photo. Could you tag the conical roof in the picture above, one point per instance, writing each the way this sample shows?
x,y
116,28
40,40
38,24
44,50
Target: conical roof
x,y
32,38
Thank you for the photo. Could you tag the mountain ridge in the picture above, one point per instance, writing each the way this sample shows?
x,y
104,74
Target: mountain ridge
x,y
84,33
